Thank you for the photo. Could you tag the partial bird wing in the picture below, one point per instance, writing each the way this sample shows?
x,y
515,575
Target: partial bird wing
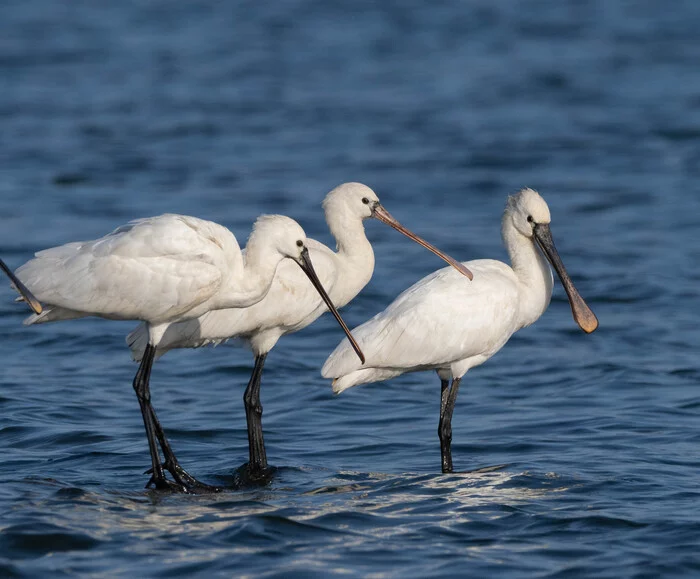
x,y
291,304
439,320
150,269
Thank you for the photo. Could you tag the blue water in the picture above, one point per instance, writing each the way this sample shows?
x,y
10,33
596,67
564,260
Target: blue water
x,y
115,110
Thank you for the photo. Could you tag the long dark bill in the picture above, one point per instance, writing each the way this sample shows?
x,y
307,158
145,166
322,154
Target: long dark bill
x,y
309,270
22,289
385,217
583,315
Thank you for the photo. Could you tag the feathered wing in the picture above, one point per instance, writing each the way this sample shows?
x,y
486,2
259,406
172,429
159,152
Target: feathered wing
x,y
440,320
291,304
154,268
207,330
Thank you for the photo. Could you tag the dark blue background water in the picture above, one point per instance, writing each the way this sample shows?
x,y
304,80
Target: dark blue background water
x,y
115,110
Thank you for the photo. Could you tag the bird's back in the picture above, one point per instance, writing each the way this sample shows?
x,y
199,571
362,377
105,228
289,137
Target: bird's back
x,y
442,319
150,269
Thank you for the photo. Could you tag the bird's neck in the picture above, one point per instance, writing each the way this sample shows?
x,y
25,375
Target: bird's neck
x,y
533,273
355,255
254,281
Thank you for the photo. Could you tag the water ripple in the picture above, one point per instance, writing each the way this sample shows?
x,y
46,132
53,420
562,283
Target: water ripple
x,y
577,455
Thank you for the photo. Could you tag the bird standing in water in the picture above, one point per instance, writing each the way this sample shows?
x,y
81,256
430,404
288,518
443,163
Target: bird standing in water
x,y
162,270
290,305
444,324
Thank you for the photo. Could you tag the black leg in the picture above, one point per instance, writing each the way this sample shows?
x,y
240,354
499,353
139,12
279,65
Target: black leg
x,y
154,432
143,394
184,479
257,462
447,405
444,392
445,451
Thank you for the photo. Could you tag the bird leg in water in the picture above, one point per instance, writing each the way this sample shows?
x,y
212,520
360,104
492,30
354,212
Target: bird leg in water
x,y
184,482
257,458
171,464
447,406
144,397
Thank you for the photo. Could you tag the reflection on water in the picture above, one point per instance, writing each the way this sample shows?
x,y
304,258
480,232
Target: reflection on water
x,y
381,505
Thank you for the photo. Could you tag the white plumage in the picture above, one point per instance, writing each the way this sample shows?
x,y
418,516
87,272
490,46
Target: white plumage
x,y
291,303
447,324
410,334
162,270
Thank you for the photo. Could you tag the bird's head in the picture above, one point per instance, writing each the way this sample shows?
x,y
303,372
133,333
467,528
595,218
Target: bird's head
x,y
526,209
280,234
352,200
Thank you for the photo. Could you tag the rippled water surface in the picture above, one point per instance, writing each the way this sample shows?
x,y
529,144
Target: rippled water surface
x,y
585,450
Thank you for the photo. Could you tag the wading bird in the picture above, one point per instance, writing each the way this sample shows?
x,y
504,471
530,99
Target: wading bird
x,y
442,323
24,294
161,270
290,306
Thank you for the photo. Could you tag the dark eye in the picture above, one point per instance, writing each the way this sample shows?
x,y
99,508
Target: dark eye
x,y
530,219
365,200
300,243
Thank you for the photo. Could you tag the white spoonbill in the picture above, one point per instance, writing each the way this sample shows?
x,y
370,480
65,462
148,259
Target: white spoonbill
x,y
442,323
24,294
161,270
290,305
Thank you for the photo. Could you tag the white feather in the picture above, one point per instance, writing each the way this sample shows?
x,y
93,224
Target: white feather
x,y
446,323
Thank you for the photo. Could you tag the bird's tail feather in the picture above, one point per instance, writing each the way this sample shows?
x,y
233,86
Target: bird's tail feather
x,y
137,340
171,340
363,376
50,314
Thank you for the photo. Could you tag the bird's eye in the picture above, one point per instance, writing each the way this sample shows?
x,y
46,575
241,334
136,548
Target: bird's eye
x,y
530,219
365,200
300,243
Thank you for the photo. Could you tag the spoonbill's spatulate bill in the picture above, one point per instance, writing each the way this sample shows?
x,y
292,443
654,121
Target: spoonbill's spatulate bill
x,y
444,324
291,304
161,270
25,294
